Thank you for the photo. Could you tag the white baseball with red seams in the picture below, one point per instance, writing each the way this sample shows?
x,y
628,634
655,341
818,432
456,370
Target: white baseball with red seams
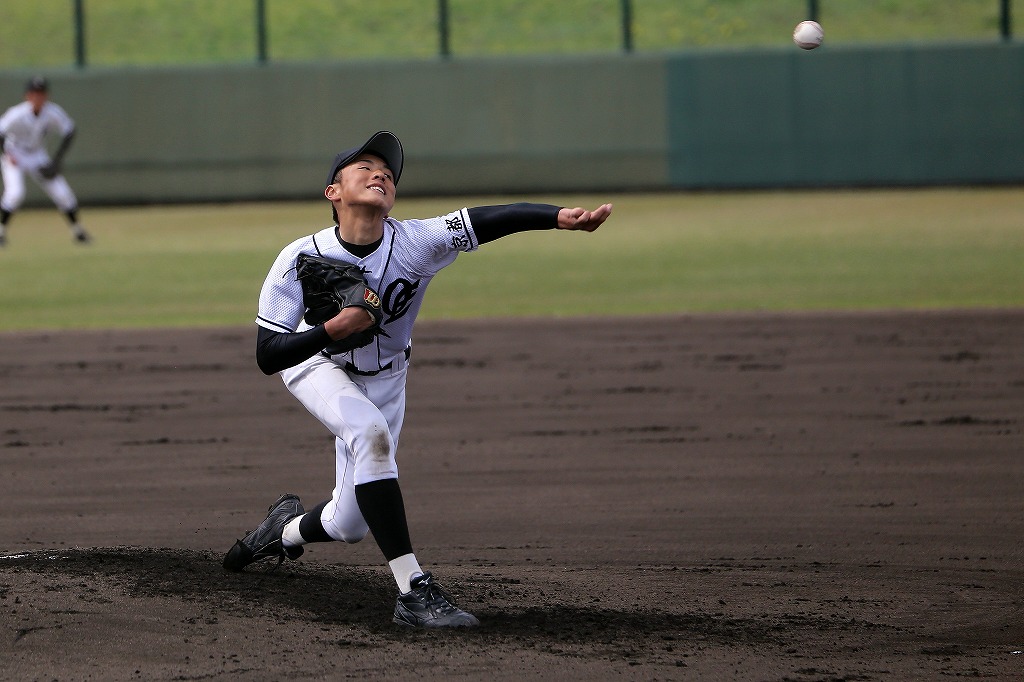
x,y
808,35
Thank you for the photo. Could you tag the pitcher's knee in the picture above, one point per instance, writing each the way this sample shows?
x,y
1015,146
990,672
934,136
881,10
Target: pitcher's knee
x,y
375,454
351,533
381,444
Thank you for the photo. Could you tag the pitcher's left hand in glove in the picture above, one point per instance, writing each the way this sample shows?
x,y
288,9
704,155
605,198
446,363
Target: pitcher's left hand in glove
x,y
328,287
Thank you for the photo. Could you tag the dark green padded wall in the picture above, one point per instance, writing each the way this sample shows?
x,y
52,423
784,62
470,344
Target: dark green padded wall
x,y
900,115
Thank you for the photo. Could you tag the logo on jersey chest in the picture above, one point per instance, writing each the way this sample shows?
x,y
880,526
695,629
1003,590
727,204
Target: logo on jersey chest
x,y
398,297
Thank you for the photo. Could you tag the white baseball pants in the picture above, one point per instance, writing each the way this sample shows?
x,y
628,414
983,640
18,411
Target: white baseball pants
x,y
365,414
14,183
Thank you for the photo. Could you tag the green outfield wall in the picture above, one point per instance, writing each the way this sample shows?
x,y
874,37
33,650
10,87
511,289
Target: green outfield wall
x,y
886,116
910,115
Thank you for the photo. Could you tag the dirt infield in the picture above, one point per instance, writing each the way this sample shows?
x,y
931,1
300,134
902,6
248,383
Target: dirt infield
x,y
750,497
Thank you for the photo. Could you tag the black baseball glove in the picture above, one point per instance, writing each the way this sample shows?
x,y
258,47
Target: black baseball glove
x,y
328,286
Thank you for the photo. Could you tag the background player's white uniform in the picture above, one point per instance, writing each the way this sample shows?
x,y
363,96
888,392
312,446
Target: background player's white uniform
x,y
360,395
25,151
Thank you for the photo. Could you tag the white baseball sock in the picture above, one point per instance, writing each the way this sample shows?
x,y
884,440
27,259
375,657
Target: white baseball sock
x,y
405,569
290,536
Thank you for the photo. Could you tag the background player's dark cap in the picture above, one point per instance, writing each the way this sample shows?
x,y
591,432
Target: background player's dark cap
x,y
37,84
383,144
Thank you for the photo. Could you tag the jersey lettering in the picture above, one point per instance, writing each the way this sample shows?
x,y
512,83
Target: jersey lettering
x,y
459,239
398,297
455,224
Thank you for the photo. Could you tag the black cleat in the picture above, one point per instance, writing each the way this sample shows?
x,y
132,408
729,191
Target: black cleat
x,y
82,237
427,606
265,541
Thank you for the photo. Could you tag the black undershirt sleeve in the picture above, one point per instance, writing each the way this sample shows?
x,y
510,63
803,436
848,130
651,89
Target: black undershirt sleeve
x,y
276,351
494,222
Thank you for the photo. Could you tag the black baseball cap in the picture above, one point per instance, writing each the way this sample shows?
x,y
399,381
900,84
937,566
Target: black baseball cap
x,y
383,144
37,84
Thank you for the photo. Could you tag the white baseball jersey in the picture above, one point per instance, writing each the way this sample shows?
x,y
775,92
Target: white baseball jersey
x,y
25,132
399,270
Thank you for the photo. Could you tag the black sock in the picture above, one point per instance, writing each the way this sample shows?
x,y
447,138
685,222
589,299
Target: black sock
x,y
384,511
310,527
72,216
4,216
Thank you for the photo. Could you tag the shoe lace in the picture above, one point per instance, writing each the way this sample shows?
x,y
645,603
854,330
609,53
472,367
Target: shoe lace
x,y
434,595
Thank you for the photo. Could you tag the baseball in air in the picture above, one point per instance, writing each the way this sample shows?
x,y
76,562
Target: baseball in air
x,y
808,35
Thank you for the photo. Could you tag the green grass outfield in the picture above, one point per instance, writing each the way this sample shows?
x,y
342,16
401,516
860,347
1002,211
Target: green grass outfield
x,y
162,32
170,266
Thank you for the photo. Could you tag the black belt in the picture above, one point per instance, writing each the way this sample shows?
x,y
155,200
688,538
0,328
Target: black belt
x,y
349,367
352,369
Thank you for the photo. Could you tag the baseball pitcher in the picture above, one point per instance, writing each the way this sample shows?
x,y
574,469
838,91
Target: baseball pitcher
x,y
335,320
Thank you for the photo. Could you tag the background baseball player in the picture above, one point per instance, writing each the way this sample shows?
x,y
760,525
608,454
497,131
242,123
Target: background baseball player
x,y
359,395
23,131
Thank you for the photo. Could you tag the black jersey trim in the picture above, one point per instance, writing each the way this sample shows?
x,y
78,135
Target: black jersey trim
x,y
275,324
317,247
469,230
380,280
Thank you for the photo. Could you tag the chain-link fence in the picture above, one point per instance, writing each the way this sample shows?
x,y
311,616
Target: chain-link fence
x,y
58,33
